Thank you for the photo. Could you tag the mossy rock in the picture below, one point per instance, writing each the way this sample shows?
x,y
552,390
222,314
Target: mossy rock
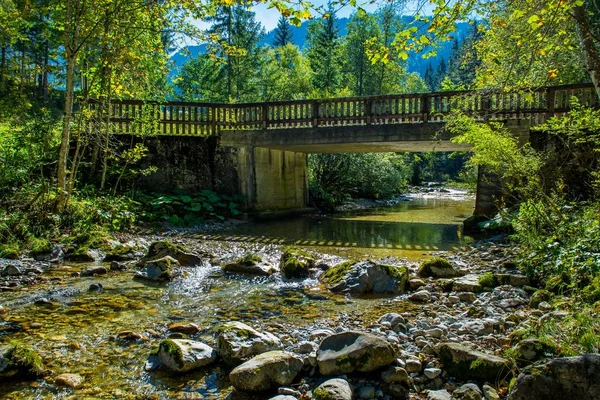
x,y
11,251
163,269
250,264
488,280
539,297
119,252
334,275
465,363
40,246
296,263
437,267
169,347
18,361
177,251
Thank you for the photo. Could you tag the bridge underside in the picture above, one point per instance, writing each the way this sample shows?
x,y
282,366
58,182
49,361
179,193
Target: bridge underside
x,y
422,137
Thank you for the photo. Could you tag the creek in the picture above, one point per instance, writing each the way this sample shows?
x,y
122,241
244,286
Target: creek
x,y
75,329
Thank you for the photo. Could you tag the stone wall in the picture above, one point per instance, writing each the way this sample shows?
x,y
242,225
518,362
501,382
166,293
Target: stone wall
x,y
191,164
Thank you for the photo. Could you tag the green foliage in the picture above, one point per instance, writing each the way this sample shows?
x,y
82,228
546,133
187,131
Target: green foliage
x,y
333,178
488,280
188,210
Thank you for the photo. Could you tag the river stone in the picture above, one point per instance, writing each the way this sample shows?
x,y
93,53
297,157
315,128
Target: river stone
x,y
69,380
180,355
296,263
162,269
395,374
530,350
437,267
12,270
469,391
352,351
439,395
239,342
333,389
283,397
19,362
560,379
516,280
266,371
183,327
161,249
467,283
422,296
489,393
249,265
466,363
393,319
94,270
367,277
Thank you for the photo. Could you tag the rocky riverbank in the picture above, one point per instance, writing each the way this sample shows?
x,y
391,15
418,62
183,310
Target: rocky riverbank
x,y
446,329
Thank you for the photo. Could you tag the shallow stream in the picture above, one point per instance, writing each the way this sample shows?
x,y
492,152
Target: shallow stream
x,y
74,329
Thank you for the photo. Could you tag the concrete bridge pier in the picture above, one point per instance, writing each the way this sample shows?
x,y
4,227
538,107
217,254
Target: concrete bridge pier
x,y
273,181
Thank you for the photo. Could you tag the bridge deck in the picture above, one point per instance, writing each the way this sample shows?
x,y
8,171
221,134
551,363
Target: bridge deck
x,y
202,119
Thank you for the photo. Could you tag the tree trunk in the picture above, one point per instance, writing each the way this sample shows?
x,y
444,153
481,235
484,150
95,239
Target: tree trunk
x,y
63,152
588,46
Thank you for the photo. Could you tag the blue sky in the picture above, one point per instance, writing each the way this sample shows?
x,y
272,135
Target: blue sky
x,y
268,17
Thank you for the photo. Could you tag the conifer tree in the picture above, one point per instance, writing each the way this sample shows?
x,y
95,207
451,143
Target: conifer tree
x,y
324,53
283,33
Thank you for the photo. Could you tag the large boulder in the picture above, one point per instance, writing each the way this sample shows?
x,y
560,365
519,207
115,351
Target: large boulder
x,y
239,342
437,267
179,355
465,363
296,263
161,249
250,264
333,389
162,269
266,371
560,379
352,351
19,362
366,277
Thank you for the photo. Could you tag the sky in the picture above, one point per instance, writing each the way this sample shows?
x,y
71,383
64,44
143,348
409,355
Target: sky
x,y
268,17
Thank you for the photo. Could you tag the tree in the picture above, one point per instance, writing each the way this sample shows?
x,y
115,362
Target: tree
x,y
323,52
283,33
285,74
363,75
429,77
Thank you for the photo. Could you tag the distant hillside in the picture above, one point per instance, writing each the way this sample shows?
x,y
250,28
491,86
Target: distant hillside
x,y
415,62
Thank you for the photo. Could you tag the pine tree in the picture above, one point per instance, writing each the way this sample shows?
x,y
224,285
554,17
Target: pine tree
x,y
362,73
324,54
283,33
429,77
239,34
440,74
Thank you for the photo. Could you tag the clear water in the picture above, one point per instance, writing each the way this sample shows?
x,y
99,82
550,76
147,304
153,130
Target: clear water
x,y
76,333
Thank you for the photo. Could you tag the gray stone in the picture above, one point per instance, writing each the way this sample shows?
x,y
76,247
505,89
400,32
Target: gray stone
x,y
366,392
432,373
439,395
180,355
12,270
465,363
283,397
368,277
530,350
333,389
516,280
413,366
422,296
490,393
266,371
239,342
468,391
467,283
161,249
395,374
94,270
163,269
351,351
249,267
560,379
437,267
393,319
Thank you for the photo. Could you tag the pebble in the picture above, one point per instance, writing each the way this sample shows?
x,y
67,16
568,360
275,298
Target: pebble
x,y
366,392
432,373
413,366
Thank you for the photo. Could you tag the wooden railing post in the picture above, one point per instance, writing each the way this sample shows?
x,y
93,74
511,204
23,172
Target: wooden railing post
x,y
425,107
315,114
265,116
486,107
213,122
550,100
368,110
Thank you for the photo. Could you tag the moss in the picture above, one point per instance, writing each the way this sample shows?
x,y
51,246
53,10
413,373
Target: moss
x,y
398,273
427,266
488,280
172,349
158,248
322,394
511,385
10,250
25,361
40,246
335,274
296,263
538,297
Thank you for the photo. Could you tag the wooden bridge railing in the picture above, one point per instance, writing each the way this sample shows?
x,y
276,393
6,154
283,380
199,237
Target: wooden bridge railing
x,y
202,119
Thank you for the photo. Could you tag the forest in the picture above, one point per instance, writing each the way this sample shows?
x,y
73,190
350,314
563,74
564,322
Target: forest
x,y
68,182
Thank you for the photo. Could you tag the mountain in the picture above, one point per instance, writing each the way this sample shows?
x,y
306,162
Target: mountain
x,y
415,62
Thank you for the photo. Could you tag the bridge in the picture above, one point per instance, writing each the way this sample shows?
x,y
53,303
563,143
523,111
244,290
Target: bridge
x,y
267,143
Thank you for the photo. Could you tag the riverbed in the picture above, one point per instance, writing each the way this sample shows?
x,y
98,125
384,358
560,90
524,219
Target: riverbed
x,y
75,330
